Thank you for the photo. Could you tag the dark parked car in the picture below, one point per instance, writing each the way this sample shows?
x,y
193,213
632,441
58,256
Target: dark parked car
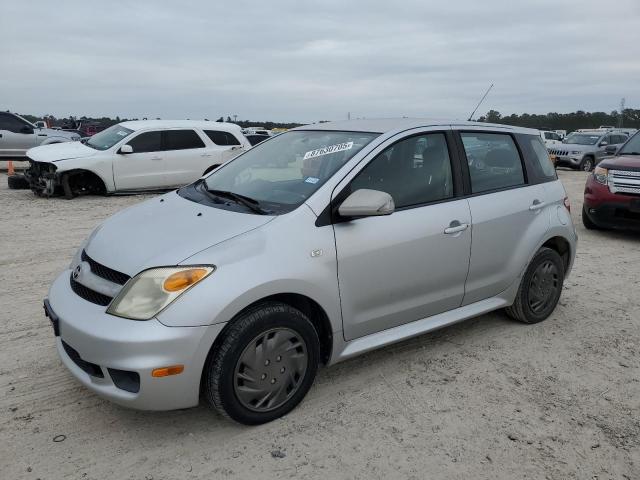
x,y
612,192
255,139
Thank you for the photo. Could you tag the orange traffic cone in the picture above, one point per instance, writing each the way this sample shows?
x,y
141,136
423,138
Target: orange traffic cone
x,y
10,170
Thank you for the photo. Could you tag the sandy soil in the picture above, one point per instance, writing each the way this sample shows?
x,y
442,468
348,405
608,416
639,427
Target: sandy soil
x,y
488,398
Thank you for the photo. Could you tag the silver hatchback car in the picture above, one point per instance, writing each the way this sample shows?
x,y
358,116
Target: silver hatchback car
x,y
312,247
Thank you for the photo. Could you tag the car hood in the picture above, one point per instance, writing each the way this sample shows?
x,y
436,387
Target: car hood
x,y
164,231
60,151
624,162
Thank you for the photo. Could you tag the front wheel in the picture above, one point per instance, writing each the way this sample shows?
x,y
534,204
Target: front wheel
x,y
264,365
587,164
540,288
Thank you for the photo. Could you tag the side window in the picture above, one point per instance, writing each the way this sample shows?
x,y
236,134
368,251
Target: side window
x,y
494,161
222,138
182,140
413,171
146,142
537,159
11,123
617,139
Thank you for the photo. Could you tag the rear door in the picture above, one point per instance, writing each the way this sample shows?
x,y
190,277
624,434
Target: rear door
x,y
16,136
227,144
185,156
508,212
142,169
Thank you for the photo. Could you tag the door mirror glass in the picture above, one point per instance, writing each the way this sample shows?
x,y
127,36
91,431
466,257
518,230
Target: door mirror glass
x,y
126,149
367,203
26,129
611,149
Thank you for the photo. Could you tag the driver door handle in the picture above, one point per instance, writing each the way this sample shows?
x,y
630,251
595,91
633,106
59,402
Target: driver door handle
x,y
455,227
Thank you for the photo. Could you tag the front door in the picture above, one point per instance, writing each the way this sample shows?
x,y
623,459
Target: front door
x,y
16,136
144,168
413,263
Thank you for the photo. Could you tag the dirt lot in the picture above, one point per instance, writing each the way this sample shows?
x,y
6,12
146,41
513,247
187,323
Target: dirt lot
x,y
488,398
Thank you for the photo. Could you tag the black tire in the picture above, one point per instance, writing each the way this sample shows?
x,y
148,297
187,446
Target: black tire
x,y
525,307
221,378
18,182
587,164
587,222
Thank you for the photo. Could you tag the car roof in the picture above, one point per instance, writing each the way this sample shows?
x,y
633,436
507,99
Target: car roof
x,y
203,124
386,125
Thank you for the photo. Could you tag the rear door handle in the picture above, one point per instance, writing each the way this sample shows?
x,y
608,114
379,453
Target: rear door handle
x,y
455,227
536,205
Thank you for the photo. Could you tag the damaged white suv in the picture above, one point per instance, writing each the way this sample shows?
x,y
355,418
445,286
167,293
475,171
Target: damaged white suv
x,y
134,156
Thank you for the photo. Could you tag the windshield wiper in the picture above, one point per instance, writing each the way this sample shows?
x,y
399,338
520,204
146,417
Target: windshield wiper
x,y
251,203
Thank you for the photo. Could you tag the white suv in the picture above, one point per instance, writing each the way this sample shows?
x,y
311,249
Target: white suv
x,y
134,156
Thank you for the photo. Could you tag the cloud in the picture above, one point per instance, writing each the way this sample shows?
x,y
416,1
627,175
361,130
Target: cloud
x,y
303,61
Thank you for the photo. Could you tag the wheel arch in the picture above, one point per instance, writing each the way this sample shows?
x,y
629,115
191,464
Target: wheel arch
x,y
90,173
562,246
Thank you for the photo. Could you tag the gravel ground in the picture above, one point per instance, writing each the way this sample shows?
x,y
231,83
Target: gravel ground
x,y
488,398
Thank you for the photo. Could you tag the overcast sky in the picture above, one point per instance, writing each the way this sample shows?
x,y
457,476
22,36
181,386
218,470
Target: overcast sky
x,y
309,61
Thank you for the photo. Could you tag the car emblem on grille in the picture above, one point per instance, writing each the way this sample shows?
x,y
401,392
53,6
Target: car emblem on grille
x,y
76,272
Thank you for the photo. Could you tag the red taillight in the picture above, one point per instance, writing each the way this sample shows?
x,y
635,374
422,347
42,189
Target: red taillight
x,y
567,203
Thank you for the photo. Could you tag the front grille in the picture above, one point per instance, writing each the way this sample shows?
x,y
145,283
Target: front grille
x,y
88,367
554,151
88,294
624,181
105,272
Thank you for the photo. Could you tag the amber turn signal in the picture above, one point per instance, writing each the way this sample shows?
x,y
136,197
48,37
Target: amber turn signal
x,y
184,279
166,371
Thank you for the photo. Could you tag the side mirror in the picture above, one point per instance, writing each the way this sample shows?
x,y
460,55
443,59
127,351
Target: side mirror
x,y
124,149
611,149
603,143
26,129
367,203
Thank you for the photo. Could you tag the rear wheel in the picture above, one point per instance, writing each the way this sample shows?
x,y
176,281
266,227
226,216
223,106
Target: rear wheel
x,y
264,365
540,288
587,164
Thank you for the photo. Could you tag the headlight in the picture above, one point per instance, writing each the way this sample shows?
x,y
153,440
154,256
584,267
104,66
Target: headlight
x,y
574,152
601,175
149,292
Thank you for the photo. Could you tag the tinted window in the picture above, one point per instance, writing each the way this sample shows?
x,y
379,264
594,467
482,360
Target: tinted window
x,y
494,161
182,140
413,171
11,123
222,138
539,165
146,142
256,139
632,147
615,139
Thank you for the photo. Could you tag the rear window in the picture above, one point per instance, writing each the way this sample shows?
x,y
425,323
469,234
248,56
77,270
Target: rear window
x,y
494,161
222,138
182,140
539,166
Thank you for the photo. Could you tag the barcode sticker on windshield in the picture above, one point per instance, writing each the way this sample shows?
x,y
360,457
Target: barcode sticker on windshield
x,y
122,133
340,147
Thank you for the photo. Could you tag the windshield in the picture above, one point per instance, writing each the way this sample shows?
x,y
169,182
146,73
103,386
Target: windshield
x,y
632,147
281,173
109,137
582,139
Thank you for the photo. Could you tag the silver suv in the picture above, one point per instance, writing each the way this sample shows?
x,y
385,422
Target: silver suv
x,y
18,135
314,246
585,149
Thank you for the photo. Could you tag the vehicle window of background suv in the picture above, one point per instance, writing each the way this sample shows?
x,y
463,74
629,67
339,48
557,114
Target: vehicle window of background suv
x,y
414,171
494,161
222,138
146,142
10,123
182,140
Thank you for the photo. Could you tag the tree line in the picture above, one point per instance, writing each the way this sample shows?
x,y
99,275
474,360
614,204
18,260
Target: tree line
x,y
567,121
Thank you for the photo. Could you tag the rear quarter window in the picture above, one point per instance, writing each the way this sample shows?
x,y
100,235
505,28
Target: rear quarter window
x,y
539,166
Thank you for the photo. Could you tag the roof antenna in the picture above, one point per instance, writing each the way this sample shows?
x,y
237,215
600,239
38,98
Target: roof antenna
x,y
480,102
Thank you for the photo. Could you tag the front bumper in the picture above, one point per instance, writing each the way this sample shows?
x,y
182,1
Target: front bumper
x,y
611,210
568,161
102,346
